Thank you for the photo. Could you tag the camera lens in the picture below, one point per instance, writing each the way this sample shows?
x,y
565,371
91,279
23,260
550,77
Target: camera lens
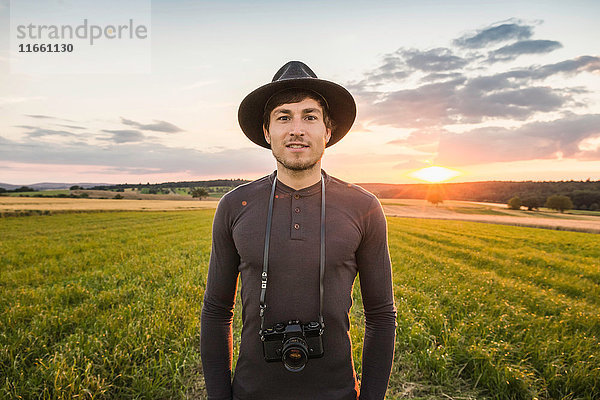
x,y
295,354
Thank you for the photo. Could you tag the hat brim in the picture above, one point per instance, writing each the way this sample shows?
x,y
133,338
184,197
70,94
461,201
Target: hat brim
x,y
342,108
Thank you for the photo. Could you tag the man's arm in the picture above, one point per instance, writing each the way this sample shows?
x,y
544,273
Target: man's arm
x,y
217,312
375,275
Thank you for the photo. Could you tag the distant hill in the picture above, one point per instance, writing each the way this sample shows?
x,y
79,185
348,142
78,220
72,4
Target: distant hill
x,y
231,183
8,186
584,194
52,185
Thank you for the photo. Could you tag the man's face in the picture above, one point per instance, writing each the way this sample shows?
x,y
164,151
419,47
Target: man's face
x,y
297,134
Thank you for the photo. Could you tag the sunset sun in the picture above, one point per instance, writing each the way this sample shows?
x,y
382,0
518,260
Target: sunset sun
x,y
435,174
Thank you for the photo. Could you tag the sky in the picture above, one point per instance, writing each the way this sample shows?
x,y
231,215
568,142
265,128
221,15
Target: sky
x,y
496,90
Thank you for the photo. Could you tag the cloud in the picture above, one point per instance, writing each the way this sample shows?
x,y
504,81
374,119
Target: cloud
x,y
535,140
115,136
440,76
420,137
430,91
524,76
435,60
157,126
140,156
494,34
123,136
71,126
129,170
475,105
411,164
392,68
341,159
569,67
400,64
424,106
39,116
36,132
512,51
462,101
456,88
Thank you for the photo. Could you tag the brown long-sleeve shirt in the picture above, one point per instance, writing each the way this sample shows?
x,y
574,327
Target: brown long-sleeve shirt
x,y
356,242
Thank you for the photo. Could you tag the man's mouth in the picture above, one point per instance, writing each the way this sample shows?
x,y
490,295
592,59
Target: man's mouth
x,y
296,145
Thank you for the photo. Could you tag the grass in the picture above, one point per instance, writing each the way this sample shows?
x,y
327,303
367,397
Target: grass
x,y
103,305
40,193
183,191
393,203
478,211
107,305
583,212
512,311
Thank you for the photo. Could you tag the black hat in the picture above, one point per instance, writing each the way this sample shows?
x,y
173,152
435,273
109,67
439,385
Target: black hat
x,y
296,74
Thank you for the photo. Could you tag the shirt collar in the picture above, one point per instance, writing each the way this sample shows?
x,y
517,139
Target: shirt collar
x,y
307,191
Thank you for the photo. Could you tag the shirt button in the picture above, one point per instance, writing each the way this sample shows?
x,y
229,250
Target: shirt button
x,y
296,196
296,210
296,226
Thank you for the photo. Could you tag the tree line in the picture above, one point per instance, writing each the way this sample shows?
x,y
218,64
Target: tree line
x,y
584,195
231,183
18,190
556,202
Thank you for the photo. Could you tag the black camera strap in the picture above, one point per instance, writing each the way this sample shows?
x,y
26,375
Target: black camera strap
x,y
263,290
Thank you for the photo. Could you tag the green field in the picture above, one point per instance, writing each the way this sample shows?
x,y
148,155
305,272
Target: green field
x,y
107,305
50,193
215,192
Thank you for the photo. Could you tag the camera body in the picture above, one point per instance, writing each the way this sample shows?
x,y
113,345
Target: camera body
x,y
293,343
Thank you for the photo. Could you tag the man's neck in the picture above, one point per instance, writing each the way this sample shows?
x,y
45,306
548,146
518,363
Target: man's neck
x,y
299,179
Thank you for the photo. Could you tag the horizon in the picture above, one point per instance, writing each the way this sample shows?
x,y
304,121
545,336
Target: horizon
x,y
245,179
496,92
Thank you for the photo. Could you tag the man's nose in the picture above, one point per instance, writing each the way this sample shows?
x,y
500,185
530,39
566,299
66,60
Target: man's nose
x,y
297,127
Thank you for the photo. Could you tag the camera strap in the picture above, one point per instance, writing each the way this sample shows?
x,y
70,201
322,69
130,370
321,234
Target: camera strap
x,y
263,290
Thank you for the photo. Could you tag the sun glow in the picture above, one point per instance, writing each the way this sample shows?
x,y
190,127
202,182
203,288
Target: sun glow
x,y
435,174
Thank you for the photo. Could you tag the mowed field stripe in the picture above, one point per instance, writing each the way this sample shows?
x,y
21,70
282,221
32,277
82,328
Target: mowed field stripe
x,y
107,305
567,274
523,340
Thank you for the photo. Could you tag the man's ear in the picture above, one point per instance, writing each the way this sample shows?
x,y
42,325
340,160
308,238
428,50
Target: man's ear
x,y
267,135
327,135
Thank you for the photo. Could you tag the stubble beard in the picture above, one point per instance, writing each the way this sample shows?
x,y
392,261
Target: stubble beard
x,y
298,165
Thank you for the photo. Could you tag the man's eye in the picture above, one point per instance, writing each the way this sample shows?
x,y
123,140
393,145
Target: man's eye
x,y
311,117
283,118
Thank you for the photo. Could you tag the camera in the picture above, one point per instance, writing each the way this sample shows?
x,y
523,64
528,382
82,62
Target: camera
x,y
293,343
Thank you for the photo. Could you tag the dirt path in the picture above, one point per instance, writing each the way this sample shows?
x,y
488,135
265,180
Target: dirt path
x,y
477,212
61,204
456,210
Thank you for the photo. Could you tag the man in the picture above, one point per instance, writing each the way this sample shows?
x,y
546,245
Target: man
x,y
297,249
